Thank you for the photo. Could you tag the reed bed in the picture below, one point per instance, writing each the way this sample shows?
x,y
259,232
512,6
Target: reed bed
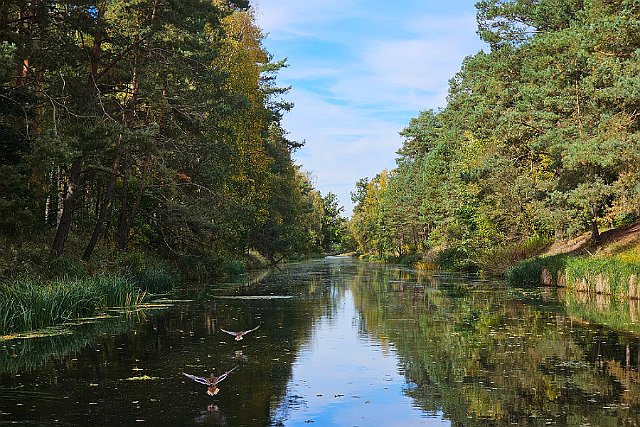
x,y
26,304
497,262
609,276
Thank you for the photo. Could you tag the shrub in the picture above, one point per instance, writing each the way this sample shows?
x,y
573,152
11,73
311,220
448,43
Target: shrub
x,y
529,272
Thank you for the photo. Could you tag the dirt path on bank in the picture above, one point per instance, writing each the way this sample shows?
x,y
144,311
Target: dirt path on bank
x,y
612,241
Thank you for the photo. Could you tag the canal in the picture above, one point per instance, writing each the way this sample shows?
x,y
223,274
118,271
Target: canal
x,y
338,343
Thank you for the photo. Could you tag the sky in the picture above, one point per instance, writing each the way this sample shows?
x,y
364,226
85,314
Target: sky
x,y
359,70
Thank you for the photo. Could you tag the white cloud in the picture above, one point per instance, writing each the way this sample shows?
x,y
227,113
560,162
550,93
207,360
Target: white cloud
x,y
359,74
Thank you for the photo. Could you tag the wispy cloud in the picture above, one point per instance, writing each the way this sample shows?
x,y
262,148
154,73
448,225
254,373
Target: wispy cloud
x,y
359,71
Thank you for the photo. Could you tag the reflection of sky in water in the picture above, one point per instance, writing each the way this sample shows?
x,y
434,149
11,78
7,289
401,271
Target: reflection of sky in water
x,y
345,379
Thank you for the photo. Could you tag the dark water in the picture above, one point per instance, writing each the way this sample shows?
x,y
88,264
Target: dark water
x,y
340,343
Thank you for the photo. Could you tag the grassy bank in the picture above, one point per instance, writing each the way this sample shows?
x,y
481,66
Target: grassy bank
x,y
616,276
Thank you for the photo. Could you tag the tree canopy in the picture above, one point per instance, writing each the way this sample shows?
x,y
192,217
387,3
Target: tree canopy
x,y
539,139
153,124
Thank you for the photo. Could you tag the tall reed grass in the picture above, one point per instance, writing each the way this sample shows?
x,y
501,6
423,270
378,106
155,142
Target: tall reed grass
x,y
26,304
497,262
603,275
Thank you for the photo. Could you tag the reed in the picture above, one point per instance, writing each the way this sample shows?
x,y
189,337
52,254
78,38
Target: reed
x,y
497,261
26,304
155,280
602,275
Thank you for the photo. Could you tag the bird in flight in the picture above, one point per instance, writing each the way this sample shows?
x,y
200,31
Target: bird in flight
x,y
212,381
239,334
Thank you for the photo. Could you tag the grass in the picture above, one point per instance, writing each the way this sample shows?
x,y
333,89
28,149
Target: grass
x,y
156,280
26,304
601,275
628,253
611,275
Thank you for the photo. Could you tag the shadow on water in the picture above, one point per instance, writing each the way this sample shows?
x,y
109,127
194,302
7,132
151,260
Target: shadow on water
x,y
339,343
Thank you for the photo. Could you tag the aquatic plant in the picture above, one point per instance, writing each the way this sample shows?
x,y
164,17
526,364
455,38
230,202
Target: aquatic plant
x,y
603,276
26,304
155,280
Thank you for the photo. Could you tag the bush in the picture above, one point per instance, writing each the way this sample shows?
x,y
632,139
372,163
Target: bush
x,y
529,272
235,268
455,258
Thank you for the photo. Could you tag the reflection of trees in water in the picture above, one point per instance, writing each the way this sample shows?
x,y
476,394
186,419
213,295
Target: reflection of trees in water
x,y
100,367
482,357
28,354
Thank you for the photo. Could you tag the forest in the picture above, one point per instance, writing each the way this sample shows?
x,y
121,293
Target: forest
x,y
539,141
147,132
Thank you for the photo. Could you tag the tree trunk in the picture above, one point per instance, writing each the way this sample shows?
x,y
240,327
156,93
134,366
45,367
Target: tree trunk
x,y
595,234
68,206
122,233
103,210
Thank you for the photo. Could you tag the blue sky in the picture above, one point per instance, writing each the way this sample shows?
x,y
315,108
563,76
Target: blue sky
x,y
359,71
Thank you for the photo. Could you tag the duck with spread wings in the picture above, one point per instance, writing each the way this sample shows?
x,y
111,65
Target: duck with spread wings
x,y
239,334
212,381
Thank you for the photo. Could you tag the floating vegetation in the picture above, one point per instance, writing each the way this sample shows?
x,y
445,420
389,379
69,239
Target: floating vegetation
x,y
254,297
28,351
141,378
40,333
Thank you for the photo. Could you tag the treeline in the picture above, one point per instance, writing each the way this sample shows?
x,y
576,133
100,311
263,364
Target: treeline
x,y
147,126
539,140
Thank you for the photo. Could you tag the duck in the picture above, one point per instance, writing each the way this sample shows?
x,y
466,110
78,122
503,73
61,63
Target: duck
x,y
239,334
212,381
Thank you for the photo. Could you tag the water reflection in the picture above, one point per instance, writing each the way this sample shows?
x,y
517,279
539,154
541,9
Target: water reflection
x,y
339,343
482,356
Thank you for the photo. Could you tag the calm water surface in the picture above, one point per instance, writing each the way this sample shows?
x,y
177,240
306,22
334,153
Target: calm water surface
x,y
340,343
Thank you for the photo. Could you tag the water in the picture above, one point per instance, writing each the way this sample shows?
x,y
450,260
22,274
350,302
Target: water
x,y
340,343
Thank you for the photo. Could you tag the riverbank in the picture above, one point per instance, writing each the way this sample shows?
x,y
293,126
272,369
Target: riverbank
x,y
611,268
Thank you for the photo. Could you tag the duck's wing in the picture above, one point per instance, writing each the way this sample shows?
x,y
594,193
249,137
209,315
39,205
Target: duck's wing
x,y
251,330
197,379
223,376
229,332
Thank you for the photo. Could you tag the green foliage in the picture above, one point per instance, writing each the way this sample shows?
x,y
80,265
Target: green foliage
x,y
539,137
133,127
155,280
496,261
236,267
528,273
455,258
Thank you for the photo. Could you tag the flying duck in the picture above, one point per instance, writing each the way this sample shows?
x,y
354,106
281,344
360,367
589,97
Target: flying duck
x,y
239,334
212,381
